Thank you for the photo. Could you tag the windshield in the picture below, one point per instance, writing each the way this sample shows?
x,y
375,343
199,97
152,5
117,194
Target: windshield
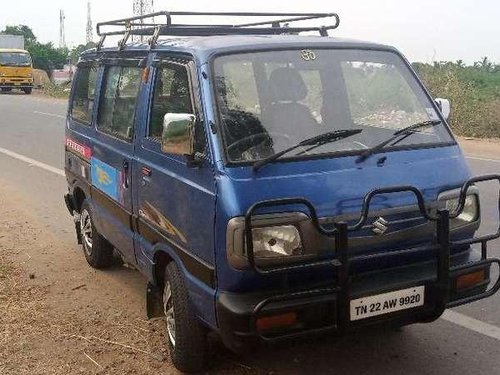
x,y
15,59
270,101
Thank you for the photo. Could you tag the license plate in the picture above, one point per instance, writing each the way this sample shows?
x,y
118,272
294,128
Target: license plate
x,y
386,303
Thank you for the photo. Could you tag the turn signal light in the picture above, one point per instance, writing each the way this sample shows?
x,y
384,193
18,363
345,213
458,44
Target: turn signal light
x,y
145,75
471,279
277,321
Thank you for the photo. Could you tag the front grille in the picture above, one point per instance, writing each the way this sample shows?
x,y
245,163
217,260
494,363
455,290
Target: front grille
x,y
387,230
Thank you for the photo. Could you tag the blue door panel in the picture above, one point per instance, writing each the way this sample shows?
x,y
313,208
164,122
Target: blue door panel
x,y
112,189
110,226
177,199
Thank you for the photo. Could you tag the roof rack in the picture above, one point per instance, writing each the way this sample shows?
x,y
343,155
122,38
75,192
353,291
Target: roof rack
x,y
146,25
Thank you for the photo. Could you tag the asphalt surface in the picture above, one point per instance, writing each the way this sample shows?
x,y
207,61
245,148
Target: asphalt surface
x,y
33,127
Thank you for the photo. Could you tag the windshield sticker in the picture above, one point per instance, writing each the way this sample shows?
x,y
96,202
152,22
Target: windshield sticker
x,y
105,178
308,55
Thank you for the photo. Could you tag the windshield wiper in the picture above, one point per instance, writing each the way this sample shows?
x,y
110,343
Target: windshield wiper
x,y
321,139
397,137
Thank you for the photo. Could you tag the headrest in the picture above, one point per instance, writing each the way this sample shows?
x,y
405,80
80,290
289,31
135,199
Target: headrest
x,y
286,84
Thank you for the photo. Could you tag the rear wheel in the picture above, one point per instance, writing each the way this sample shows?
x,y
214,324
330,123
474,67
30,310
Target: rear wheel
x,y
6,89
186,337
97,250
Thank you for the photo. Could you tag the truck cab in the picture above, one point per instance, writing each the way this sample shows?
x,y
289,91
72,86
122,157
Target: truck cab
x,y
270,185
16,70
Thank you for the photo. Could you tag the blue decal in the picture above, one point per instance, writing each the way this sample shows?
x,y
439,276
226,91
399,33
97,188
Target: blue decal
x,y
106,178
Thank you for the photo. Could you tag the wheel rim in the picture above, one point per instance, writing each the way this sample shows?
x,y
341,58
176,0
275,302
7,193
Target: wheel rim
x,y
86,229
168,309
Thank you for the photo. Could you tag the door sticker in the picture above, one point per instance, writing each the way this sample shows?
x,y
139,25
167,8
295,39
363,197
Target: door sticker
x,y
106,178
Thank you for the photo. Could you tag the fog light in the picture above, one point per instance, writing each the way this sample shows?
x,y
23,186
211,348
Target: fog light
x,y
277,321
469,280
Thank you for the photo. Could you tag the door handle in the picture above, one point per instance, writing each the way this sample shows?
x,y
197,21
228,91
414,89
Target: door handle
x,y
146,175
126,167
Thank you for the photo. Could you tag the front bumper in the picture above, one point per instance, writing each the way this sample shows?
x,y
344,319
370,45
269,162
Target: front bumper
x,y
326,308
16,82
319,309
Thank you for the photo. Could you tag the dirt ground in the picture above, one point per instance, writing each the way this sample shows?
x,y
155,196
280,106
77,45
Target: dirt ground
x,y
486,148
58,316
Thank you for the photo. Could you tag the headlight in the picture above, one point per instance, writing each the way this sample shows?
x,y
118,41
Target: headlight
x,y
30,75
273,242
470,212
281,238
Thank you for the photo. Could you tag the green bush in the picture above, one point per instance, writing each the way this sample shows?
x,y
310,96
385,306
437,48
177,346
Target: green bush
x,y
474,92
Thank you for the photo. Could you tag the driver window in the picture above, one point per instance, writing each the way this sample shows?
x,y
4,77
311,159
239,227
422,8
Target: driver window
x,y
171,95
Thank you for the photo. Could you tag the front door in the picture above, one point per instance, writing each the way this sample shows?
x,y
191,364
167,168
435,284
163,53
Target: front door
x,y
174,199
113,155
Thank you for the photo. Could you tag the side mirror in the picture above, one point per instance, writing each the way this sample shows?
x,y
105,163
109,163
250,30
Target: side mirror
x,y
445,107
178,134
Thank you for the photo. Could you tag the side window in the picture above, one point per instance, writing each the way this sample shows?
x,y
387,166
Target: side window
x,y
83,98
118,100
171,95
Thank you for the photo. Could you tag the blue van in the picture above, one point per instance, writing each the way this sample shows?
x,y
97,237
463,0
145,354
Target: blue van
x,y
270,185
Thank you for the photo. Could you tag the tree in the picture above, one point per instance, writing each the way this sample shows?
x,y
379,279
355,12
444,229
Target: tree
x,y
484,64
46,57
74,55
26,31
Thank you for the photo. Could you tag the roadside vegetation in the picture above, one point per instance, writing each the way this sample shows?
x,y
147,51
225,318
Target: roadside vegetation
x,y
474,92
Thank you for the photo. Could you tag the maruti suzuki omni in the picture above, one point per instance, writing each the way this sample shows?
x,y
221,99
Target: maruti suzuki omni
x,y
270,185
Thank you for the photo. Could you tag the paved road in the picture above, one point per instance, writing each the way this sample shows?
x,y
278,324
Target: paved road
x,y
466,340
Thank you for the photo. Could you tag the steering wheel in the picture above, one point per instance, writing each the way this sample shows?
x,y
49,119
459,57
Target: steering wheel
x,y
252,140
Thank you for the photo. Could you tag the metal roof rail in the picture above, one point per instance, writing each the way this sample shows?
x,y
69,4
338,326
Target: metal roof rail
x,y
276,23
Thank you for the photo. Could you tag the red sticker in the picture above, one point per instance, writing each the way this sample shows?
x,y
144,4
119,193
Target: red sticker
x,y
82,150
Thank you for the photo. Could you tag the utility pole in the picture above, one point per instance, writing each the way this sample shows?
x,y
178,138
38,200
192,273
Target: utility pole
x,y
62,32
90,29
141,8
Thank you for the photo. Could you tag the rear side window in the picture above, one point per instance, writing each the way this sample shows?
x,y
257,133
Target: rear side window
x,y
83,98
171,95
118,100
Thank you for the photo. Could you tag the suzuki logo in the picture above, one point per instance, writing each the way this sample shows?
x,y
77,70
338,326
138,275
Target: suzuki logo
x,y
380,226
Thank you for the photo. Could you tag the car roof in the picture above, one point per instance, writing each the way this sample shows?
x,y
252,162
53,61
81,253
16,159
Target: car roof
x,y
209,45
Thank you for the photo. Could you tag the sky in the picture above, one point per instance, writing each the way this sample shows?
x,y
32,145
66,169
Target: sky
x,y
424,30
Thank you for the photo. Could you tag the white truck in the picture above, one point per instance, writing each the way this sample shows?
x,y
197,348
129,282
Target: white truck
x,y
11,41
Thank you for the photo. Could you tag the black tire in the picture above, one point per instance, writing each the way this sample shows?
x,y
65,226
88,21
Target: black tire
x,y
28,91
97,250
6,89
189,345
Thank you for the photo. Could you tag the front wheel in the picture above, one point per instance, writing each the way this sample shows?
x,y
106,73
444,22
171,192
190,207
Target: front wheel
x,y
186,337
97,250
28,90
